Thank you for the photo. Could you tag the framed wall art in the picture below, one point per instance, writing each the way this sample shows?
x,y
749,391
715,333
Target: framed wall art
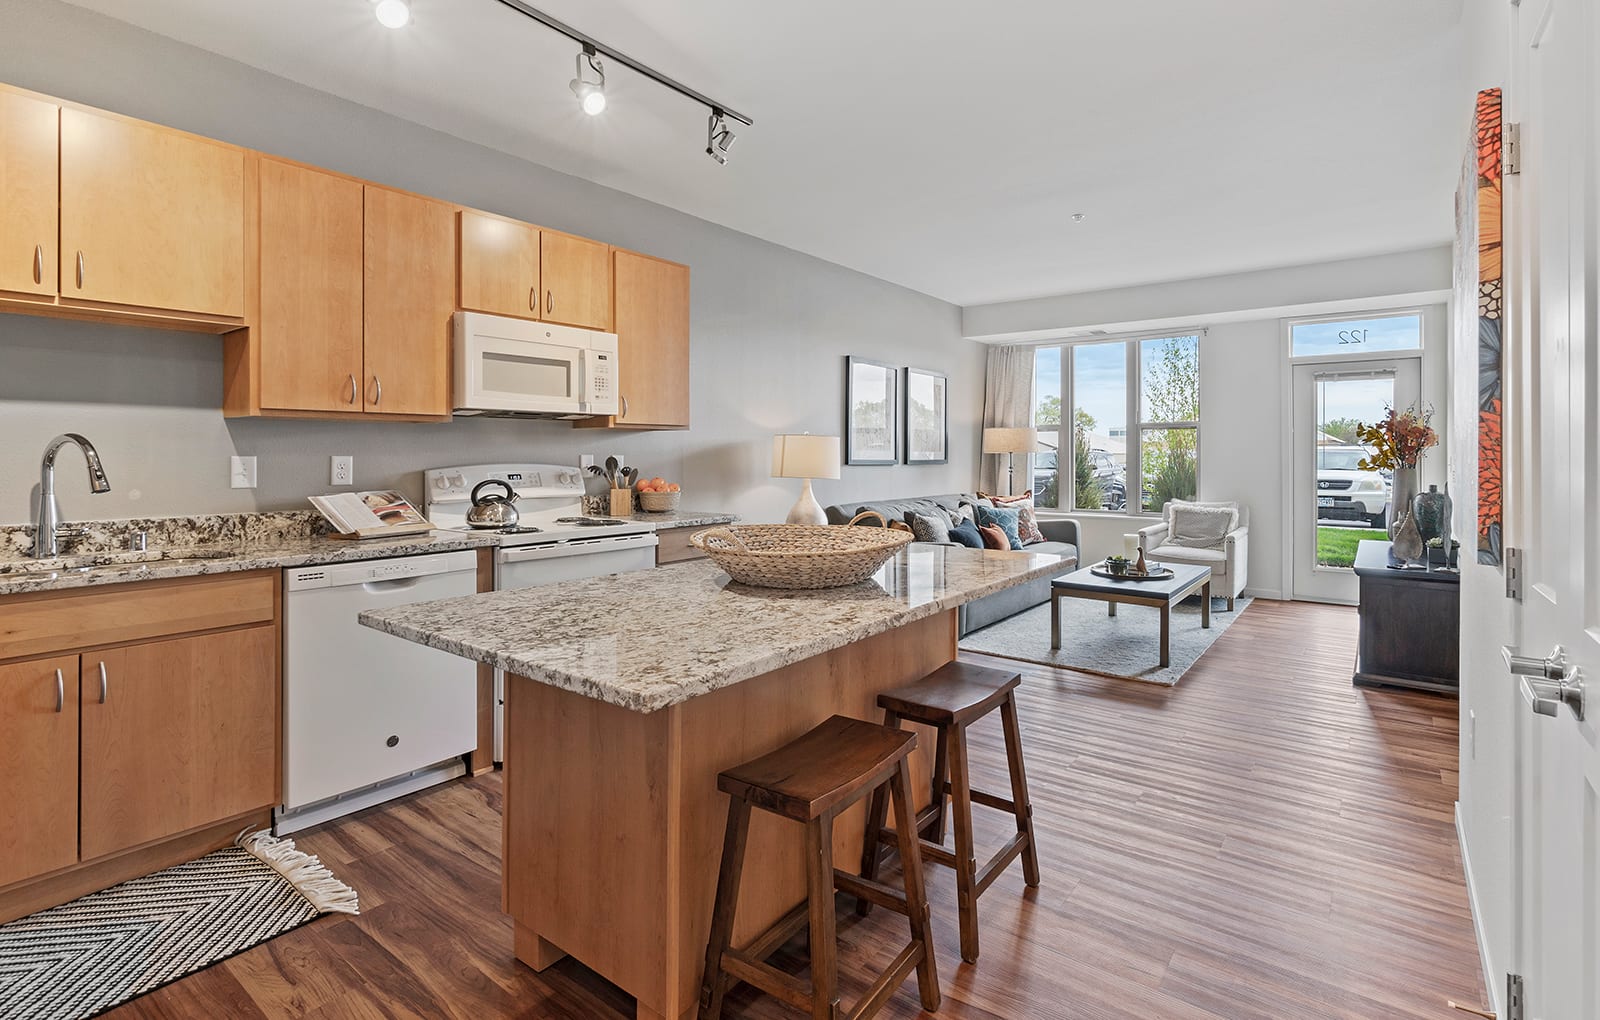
x,y
871,425
927,421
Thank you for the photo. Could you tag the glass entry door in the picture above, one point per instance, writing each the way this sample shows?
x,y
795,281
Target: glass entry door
x,y
1337,503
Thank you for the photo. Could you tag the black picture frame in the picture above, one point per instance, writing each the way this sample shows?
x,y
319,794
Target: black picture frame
x,y
871,412
926,417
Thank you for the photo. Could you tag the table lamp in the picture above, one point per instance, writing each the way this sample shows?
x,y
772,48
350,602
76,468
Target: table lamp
x,y
1010,441
805,457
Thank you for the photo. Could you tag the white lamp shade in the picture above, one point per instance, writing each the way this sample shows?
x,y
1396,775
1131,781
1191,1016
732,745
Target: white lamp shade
x,y
1008,440
805,456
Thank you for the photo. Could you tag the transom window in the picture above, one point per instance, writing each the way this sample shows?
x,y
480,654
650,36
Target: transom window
x,y
1093,459
1345,337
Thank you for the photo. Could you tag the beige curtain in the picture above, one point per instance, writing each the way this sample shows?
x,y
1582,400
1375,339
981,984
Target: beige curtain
x,y
1007,403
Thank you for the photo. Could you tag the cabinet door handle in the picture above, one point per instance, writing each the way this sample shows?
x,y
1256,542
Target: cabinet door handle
x,y
38,263
352,399
549,302
533,299
80,270
377,388
104,688
61,692
624,407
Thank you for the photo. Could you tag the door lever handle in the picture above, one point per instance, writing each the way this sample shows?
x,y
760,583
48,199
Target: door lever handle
x,y
1552,668
1546,697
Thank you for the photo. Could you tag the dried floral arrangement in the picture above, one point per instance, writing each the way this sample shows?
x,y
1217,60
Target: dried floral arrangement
x,y
1398,440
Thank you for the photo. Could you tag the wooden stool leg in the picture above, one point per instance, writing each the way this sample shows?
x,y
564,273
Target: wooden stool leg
x,y
877,814
941,775
1019,788
966,863
715,984
916,895
824,939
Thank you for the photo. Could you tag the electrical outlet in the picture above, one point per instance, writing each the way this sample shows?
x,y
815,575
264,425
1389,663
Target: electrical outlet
x,y
242,472
343,471
586,461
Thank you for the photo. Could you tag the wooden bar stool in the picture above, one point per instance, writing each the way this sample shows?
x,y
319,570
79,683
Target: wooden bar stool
x,y
950,699
811,780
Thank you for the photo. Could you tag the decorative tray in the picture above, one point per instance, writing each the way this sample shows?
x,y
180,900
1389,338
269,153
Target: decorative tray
x,y
1155,573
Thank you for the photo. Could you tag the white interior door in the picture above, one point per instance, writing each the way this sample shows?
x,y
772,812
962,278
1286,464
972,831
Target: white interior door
x,y
1557,813
1336,504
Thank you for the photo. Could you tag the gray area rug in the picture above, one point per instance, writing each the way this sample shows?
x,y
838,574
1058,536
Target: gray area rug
x,y
1126,646
85,957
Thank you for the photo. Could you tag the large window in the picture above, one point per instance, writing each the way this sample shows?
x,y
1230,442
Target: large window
x,y
1095,459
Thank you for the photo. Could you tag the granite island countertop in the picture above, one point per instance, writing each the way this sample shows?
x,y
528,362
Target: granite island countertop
x,y
649,640
682,518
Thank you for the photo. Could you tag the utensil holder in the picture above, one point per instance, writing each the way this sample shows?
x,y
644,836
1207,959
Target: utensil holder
x,y
621,502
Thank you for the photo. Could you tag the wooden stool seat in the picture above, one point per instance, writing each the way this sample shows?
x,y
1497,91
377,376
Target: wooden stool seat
x,y
811,780
830,766
954,694
949,699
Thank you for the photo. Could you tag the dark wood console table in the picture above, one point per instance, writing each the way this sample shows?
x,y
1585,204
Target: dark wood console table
x,y
1410,624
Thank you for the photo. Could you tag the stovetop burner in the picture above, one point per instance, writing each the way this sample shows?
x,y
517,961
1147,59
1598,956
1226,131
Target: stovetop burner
x,y
590,522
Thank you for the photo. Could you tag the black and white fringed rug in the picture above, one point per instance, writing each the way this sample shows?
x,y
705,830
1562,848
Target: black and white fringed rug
x,y
82,958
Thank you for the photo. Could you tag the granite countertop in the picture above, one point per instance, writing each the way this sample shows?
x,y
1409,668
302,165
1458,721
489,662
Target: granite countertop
x,y
649,640
681,519
192,546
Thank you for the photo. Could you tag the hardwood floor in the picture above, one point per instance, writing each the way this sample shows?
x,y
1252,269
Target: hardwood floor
x,y
1262,841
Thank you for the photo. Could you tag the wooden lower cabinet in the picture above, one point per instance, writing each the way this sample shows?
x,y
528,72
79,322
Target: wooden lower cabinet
x,y
38,767
181,732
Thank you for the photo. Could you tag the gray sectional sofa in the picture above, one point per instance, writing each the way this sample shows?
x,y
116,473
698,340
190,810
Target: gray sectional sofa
x,y
1061,539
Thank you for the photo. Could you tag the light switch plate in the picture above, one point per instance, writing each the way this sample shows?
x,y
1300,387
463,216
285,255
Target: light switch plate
x,y
242,472
586,461
342,471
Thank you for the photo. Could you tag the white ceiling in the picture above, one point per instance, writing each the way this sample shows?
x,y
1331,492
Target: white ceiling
x,y
943,146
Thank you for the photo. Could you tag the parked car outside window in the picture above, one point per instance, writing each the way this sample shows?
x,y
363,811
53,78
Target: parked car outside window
x,y
1346,492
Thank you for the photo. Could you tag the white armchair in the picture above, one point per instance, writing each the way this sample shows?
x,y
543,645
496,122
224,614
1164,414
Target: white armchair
x,y
1228,560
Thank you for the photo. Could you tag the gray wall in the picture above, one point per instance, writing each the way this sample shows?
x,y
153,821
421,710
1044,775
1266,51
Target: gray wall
x,y
770,327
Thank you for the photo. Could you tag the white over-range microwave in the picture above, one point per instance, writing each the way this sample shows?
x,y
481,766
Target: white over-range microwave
x,y
516,368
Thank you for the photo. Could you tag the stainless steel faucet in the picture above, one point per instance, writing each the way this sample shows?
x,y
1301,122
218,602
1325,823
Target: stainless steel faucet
x,y
44,537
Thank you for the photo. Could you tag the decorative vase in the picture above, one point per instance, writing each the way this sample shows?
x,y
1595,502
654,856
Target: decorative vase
x,y
1431,510
1402,492
1408,540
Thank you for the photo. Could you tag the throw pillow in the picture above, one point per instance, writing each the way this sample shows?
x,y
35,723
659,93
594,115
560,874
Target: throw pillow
x,y
962,513
1028,522
966,533
1008,519
1200,527
994,537
929,527
1003,500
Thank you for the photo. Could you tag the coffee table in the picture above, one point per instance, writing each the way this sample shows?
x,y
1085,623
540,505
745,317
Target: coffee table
x,y
1163,595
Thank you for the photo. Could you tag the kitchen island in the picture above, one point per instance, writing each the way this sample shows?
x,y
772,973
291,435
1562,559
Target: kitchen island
x,y
626,696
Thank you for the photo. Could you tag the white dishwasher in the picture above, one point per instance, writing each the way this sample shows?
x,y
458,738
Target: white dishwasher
x,y
368,717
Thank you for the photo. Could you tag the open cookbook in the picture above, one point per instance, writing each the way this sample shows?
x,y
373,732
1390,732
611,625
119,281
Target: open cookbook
x,y
378,514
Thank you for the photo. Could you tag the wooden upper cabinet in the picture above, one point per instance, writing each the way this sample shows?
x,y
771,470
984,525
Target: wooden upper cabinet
x,y
499,266
652,326
575,273
150,216
38,767
310,322
187,735
29,170
410,274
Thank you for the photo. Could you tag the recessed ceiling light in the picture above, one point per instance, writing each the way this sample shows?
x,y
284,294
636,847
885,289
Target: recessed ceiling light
x,y
393,13
1079,217
590,84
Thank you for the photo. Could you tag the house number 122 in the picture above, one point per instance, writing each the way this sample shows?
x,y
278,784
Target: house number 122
x,y
1352,336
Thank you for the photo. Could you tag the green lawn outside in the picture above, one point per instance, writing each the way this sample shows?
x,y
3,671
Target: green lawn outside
x,y
1336,547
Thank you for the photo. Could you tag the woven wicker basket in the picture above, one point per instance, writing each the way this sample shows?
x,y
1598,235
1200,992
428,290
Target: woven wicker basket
x,y
799,555
659,502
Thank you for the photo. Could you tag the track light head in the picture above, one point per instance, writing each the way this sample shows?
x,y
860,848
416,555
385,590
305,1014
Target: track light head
x,y
393,13
719,137
590,84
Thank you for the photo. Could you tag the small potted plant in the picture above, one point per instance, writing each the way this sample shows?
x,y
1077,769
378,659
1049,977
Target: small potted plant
x,y
1438,553
1118,565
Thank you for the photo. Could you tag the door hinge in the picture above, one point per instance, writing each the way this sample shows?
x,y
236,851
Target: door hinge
x,y
1512,148
1514,1008
1513,573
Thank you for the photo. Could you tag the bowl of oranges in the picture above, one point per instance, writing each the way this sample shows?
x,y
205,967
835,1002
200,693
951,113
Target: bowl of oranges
x,y
657,495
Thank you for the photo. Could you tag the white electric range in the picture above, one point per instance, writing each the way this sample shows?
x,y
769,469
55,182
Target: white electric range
x,y
552,541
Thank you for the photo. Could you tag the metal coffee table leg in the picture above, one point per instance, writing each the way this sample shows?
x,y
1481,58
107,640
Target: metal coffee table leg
x,y
1055,620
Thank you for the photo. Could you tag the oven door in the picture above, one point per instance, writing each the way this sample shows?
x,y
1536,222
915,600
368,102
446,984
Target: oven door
x,y
529,566
506,374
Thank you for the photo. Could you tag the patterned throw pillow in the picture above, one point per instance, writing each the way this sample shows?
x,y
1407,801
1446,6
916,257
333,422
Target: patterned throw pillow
x,y
994,537
1007,519
931,527
1200,527
966,533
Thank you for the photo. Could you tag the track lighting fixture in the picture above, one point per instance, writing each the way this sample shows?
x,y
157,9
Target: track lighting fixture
x,y
393,13
719,137
590,84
